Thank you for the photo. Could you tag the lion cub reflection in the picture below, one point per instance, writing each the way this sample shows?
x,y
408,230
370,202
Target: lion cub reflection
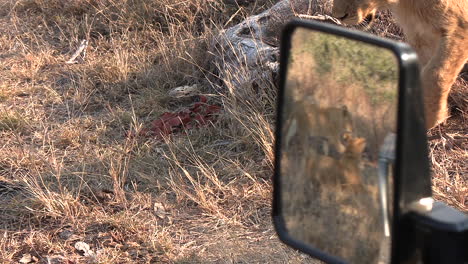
x,y
344,169
323,140
351,160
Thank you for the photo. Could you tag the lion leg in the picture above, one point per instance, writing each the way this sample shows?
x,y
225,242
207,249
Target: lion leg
x,y
438,76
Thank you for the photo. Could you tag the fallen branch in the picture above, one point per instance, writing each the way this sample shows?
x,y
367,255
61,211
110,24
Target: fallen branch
x,y
248,52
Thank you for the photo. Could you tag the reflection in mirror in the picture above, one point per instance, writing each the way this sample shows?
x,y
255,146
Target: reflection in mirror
x,y
337,145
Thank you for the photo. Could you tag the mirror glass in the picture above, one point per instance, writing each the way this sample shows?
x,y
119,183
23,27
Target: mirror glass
x,y
339,117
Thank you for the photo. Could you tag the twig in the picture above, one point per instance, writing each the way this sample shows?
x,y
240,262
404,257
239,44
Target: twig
x,y
324,18
81,49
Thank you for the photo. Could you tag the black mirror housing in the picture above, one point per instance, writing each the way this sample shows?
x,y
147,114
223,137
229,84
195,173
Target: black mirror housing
x,y
411,181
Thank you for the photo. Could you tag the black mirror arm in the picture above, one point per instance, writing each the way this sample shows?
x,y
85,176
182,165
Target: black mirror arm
x,y
437,236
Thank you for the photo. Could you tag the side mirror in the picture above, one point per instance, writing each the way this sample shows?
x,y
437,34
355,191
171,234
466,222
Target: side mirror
x,y
351,148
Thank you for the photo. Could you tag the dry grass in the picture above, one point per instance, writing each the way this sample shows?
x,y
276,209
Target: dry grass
x,y
449,151
69,171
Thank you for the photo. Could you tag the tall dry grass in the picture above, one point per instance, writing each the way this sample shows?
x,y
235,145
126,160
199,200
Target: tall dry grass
x,y
69,169
70,172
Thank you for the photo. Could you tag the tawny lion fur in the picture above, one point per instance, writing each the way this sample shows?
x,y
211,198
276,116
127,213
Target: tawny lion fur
x,y
436,29
307,119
